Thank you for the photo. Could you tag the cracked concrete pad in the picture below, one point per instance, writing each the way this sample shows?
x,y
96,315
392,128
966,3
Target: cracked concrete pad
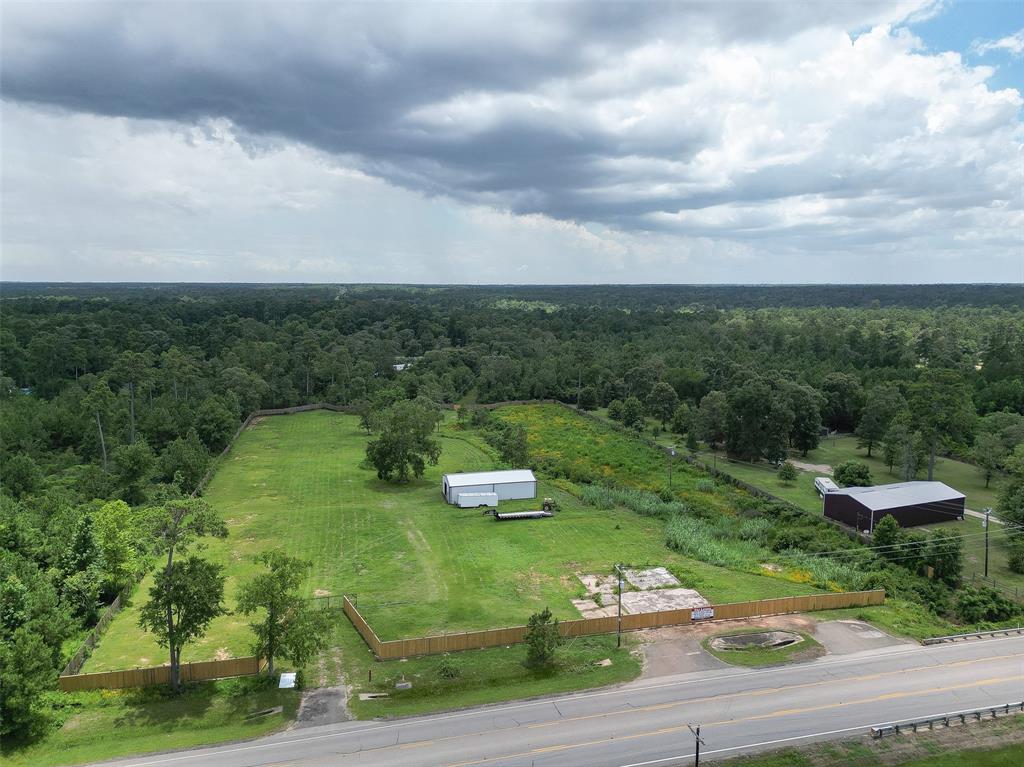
x,y
662,599
654,578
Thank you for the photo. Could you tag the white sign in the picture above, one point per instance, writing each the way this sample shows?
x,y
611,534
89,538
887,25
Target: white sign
x,y
702,613
287,681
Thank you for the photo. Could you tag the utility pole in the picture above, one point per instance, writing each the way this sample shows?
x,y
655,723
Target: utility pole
x,y
618,638
985,525
697,744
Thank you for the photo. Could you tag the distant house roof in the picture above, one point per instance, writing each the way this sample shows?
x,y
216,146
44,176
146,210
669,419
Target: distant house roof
x,y
899,494
490,477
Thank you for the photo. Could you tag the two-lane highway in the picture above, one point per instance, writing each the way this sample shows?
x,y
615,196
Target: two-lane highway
x,y
645,723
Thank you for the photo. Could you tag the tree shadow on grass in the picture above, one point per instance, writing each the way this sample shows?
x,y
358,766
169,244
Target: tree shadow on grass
x,y
235,700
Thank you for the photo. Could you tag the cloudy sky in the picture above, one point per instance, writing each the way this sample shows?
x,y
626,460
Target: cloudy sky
x,y
549,142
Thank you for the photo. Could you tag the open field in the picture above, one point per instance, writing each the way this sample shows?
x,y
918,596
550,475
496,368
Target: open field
x,y
417,565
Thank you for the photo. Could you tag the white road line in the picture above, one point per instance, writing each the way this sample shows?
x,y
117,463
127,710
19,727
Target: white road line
x,y
205,751
794,738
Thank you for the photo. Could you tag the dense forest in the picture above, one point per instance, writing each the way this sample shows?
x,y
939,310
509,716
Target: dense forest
x,y
115,398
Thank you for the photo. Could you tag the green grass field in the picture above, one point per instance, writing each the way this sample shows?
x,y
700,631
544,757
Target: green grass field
x,y
103,724
417,565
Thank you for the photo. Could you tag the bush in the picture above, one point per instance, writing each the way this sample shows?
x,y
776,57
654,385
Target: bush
x,y
974,605
787,472
542,639
448,668
706,485
615,410
852,474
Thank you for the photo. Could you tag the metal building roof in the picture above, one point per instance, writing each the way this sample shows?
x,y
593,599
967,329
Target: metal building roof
x,y
490,477
899,494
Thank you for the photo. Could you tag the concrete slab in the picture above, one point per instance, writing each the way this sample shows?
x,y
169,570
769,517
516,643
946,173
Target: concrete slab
x,y
849,636
661,599
653,578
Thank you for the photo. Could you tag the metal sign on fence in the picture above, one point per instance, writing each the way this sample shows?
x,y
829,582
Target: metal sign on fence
x,y
702,613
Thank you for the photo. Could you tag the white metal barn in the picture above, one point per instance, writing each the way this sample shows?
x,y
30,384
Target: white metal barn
x,y
508,485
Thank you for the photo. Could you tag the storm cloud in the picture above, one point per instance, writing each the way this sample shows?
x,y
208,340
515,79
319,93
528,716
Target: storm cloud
x,y
803,125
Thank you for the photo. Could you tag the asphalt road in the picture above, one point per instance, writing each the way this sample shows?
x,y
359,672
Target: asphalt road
x,y
645,723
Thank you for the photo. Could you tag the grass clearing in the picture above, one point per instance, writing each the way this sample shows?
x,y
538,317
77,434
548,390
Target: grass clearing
x,y
417,565
103,724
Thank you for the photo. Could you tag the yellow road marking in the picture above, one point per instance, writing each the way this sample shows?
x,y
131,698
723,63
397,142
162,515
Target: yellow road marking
x,y
783,712
760,692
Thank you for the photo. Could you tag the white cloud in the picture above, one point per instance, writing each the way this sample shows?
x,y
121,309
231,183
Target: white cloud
x,y
1012,44
583,144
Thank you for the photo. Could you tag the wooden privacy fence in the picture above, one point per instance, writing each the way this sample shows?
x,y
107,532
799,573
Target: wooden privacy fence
x,y
475,640
143,677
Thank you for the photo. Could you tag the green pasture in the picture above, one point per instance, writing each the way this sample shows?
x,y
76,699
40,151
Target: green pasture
x,y
417,565
103,724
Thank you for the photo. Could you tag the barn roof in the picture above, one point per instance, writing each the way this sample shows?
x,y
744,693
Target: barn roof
x,y
899,494
490,477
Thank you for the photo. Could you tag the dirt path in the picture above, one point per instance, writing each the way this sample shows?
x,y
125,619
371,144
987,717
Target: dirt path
x,y
820,468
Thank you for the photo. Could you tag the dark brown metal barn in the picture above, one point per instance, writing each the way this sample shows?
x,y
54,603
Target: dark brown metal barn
x,y
910,503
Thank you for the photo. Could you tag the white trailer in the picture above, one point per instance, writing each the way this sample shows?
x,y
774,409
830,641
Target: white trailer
x,y
507,485
825,485
476,500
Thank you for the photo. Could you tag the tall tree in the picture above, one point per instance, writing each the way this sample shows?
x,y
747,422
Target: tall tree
x,y
98,402
712,419
633,414
942,411
662,402
988,454
844,399
132,369
515,446
806,404
183,600
175,527
749,409
288,627
883,403
404,444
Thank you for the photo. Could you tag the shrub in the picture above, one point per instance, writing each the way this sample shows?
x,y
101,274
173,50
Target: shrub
x,y
448,668
787,472
852,474
542,639
706,485
974,605
615,410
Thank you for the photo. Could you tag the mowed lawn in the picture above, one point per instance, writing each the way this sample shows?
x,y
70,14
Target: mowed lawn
x,y
416,565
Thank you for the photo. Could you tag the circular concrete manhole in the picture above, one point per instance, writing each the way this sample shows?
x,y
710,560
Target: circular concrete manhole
x,y
765,640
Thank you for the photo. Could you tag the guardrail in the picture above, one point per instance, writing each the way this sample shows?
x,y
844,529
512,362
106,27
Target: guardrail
x,y
975,635
945,720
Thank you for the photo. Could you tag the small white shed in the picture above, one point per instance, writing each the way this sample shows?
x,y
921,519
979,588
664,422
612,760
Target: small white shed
x,y
507,485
